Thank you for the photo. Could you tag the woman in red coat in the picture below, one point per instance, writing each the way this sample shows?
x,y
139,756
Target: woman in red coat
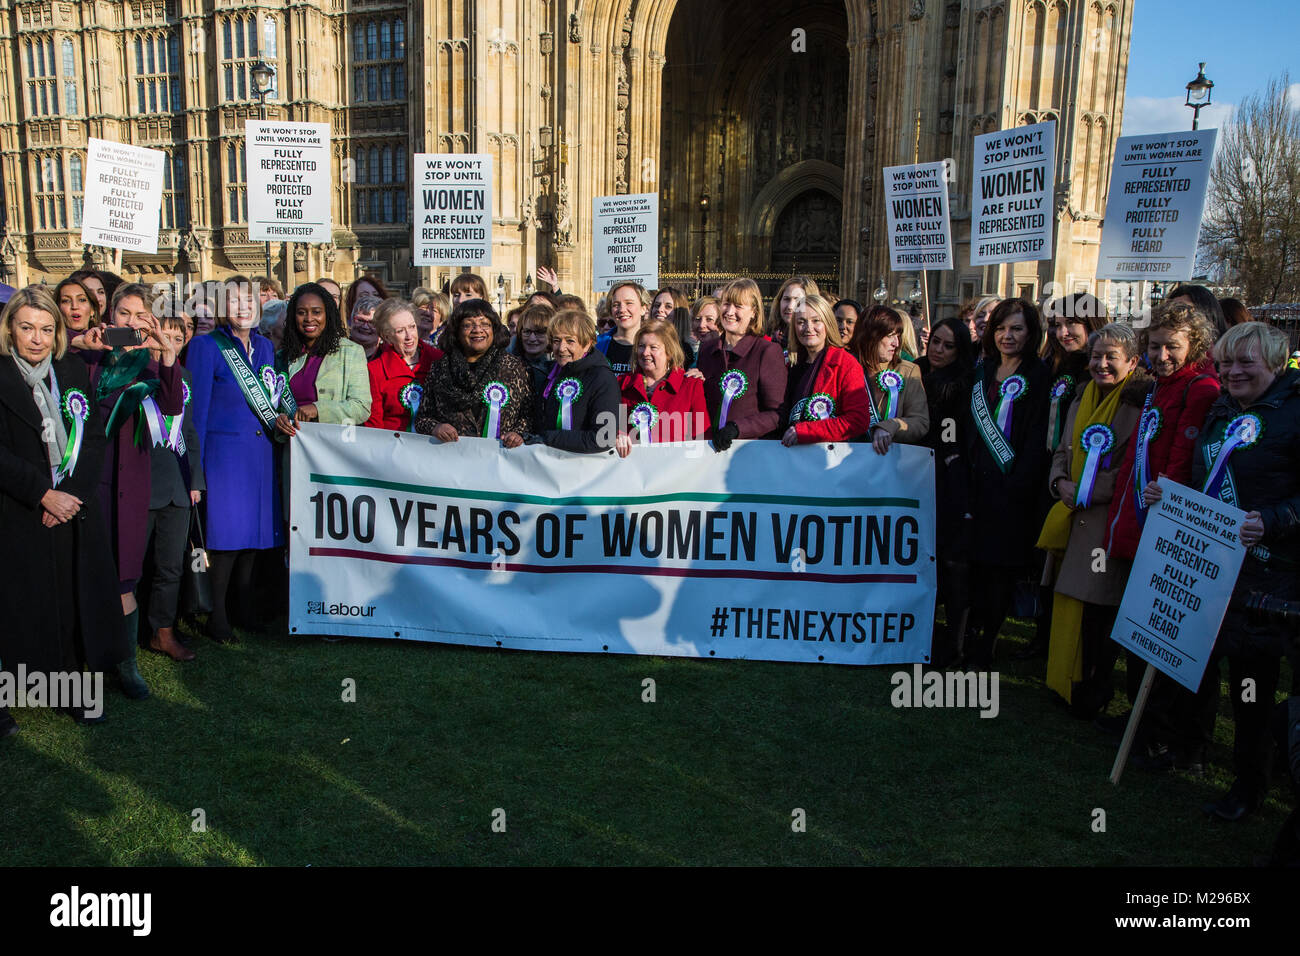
x,y
1177,345
398,370
826,396
663,404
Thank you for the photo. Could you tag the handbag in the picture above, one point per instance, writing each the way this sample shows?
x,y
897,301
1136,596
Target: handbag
x,y
196,580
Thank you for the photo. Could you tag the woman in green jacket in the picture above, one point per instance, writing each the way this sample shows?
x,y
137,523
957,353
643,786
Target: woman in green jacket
x,y
322,375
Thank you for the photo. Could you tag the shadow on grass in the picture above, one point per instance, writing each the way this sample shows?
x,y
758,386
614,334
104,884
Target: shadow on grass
x,y
581,769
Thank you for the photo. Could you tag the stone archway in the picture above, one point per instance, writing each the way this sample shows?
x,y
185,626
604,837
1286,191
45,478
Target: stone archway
x,y
751,118
806,237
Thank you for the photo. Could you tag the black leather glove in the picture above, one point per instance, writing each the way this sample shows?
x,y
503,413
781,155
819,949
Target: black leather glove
x,y
725,435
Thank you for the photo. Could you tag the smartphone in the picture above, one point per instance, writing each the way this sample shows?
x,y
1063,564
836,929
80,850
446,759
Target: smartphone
x,y
121,337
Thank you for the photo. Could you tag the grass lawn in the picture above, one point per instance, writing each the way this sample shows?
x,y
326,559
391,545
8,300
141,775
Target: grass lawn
x,y
287,774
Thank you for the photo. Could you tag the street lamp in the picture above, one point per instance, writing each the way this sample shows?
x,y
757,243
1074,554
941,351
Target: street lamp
x,y
881,293
1198,94
263,77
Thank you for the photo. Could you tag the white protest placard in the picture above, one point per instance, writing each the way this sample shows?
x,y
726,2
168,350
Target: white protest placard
x,y
123,200
1154,210
625,240
289,179
1011,200
453,209
916,213
821,553
1182,577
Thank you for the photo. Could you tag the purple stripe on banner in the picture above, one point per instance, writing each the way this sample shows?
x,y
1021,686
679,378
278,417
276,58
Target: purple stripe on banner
x,y
614,569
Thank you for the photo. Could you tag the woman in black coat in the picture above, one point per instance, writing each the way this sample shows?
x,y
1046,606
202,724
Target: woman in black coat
x,y
947,372
1248,456
1006,443
581,401
60,597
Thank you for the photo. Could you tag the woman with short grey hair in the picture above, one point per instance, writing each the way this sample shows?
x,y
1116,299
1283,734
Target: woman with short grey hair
x,y
1098,427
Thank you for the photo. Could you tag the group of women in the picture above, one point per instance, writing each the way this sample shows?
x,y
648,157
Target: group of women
x,y
1050,444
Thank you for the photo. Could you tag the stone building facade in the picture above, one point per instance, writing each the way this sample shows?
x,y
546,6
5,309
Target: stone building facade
x,y
764,129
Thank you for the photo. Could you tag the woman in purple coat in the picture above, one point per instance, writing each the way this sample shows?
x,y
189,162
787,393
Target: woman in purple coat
x,y
132,391
236,400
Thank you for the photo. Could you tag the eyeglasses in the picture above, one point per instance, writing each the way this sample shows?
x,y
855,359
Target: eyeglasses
x,y
477,326
535,333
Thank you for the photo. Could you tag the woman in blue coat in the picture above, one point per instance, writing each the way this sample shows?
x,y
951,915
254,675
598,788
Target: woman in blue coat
x,y
235,401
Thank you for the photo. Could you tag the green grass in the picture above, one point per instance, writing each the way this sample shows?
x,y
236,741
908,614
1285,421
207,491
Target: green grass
x,y
287,774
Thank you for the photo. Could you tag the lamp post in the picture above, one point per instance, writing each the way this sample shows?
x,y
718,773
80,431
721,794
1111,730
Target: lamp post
x,y
263,77
881,293
1198,95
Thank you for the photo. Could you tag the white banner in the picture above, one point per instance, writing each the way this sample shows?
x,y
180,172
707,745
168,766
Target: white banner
x,y
917,216
123,199
453,209
625,240
289,181
1154,210
813,553
1178,591
1011,199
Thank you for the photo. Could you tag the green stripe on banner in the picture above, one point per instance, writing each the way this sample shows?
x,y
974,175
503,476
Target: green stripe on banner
x,y
644,499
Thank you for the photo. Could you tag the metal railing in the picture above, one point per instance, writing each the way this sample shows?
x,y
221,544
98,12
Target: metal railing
x,y
700,282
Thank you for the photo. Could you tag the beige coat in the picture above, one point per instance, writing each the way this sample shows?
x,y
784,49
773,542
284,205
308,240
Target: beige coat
x,y
913,420
1086,572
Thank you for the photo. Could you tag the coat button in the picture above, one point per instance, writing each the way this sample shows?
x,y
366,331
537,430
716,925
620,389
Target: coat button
x,y
259,431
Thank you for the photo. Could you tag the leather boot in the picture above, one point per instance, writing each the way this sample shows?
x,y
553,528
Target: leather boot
x,y
133,685
164,642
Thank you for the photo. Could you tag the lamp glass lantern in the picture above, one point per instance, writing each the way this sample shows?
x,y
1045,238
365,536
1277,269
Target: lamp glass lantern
x,y
1199,89
263,76
881,293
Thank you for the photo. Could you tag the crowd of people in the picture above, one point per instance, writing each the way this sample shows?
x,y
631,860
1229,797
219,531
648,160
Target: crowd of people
x,y
1052,429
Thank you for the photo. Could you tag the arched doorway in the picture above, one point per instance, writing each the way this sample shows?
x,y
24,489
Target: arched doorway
x,y
807,234
754,119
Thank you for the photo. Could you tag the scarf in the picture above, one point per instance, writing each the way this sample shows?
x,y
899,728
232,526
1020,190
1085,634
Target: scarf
x,y
119,368
463,391
1092,411
1065,649
37,379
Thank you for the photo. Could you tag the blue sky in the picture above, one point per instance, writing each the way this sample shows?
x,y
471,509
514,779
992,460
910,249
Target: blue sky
x,y
1244,43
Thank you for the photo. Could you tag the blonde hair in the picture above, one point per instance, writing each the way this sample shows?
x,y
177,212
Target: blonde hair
x,y
667,333
774,311
573,322
642,292
907,338
387,310
822,308
441,303
744,292
39,298
421,297
1269,342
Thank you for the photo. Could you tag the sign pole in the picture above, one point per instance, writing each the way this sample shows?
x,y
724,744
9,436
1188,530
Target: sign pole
x,y
1130,732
